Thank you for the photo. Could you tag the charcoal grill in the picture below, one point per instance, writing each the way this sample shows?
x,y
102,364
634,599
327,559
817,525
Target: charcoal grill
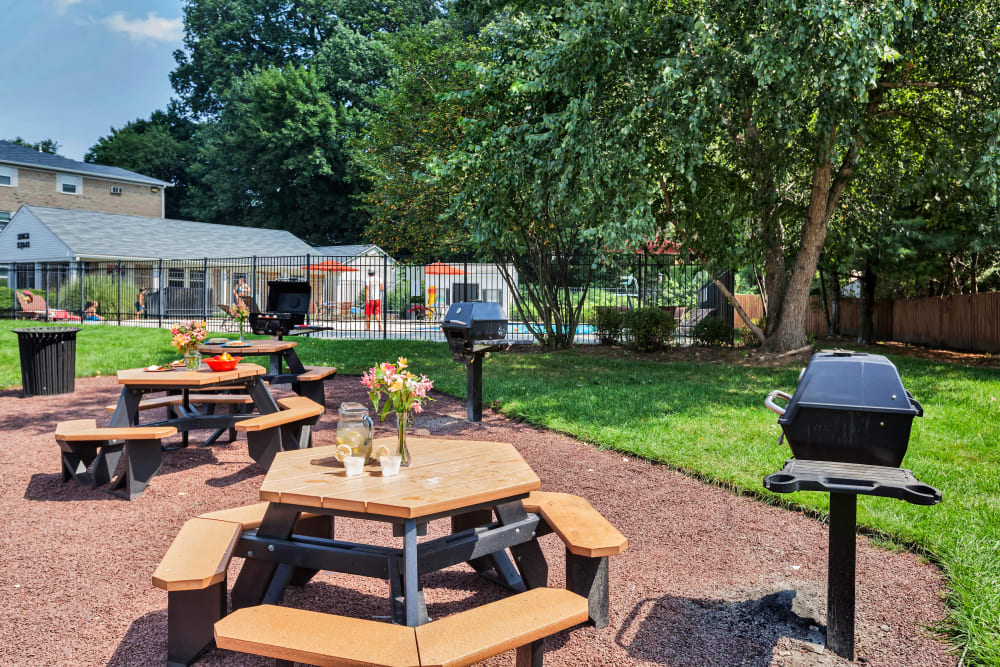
x,y
848,425
849,407
472,328
287,305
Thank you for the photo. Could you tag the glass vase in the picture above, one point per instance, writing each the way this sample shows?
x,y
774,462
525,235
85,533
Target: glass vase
x,y
192,360
402,420
242,324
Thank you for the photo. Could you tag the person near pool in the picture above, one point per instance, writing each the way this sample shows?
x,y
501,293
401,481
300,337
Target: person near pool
x,y
373,300
140,303
241,290
90,311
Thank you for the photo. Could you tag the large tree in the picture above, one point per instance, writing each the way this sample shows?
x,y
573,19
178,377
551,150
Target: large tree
x,y
745,123
275,158
224,39
161,146
415,120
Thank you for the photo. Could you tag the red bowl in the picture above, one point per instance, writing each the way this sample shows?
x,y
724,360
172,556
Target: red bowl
x,y
217,364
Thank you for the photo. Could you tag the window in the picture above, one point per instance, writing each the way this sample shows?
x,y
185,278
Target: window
x,y
116,189
196,279
175,277
4,219
8,177
69,185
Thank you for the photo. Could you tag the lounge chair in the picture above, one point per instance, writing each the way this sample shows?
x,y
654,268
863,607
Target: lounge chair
x,y
34,305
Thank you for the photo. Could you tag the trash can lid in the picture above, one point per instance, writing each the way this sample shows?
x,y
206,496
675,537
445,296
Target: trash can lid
x,y
45,330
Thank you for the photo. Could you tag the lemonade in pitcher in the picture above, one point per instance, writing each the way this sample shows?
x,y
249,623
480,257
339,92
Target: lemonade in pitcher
x,y
355,429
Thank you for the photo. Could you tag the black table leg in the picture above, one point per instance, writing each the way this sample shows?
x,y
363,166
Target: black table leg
x,y
528,557
415,611
292,360
262,398
127,409
841,574
255,577
274,364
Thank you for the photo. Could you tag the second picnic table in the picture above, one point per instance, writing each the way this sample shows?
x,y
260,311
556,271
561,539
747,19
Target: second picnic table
x,y
306,381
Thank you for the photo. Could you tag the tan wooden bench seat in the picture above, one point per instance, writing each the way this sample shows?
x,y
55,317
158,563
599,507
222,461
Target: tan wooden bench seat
x,y
315,638
316,373
86,430
519,622
589,540
583,529
199,555
90,455
515,622
193,572
288,428
198,399
293,409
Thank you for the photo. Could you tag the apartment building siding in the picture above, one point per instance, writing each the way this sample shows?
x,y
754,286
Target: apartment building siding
x,y
42,188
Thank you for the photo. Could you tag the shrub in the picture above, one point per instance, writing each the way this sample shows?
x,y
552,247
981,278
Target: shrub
x,y
648,328
713,332
747,339
608,323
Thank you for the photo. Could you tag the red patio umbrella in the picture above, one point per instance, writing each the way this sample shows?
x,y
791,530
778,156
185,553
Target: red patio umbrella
x,y
330,265
442,269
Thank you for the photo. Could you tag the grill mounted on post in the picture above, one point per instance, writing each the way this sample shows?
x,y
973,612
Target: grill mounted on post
x,y
471,329
848,424
287,304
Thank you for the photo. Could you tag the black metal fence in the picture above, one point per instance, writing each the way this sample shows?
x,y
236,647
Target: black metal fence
x,y
367,296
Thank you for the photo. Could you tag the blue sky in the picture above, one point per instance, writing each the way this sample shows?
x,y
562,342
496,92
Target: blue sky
x,y
75,68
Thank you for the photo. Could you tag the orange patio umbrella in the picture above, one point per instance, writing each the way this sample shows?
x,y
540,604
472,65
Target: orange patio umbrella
x,y
442,269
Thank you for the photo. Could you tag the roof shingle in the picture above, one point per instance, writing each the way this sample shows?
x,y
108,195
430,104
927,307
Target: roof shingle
x,y
12,153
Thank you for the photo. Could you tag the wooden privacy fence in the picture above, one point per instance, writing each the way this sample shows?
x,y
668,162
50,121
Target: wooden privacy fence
x,y
962,322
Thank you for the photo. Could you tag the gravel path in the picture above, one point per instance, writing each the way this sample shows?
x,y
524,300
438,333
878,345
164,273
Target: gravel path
x,y
710,578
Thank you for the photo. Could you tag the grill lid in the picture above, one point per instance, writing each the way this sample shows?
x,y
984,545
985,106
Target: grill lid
x,y
465,313
288,296
850,381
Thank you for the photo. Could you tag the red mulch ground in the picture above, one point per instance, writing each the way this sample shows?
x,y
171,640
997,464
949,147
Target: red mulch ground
x,y
709,577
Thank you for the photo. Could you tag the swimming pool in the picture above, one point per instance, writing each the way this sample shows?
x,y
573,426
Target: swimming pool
x,y
517,328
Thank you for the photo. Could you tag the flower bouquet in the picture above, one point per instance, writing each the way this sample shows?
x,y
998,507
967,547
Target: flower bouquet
x,y
240,315
393,388
186,338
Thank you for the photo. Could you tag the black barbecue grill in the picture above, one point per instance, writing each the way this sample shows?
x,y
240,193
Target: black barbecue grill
x,y
287,305
848,425
849,407
472,328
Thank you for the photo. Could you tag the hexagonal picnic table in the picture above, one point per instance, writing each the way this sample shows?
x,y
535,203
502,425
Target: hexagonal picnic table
x,y
462,480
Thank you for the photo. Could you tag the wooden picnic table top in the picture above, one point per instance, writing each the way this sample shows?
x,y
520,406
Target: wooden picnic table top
x,y
255,347
185,378
444,475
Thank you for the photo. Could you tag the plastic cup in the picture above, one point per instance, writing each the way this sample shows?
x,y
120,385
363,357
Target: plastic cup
x,y
354,465
390,464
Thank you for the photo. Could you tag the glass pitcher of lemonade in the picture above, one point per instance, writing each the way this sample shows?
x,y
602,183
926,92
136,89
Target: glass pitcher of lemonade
x,y
355,429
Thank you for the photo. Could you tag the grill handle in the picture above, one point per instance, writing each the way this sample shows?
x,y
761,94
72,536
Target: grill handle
x,y
464,324
915,403
774,407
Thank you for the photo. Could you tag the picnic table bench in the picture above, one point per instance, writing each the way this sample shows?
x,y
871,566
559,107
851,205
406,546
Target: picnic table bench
x,y
285,541
305,380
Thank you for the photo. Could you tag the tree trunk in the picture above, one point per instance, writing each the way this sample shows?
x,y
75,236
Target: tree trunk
x,y
826,304
866,335
790,328
775,274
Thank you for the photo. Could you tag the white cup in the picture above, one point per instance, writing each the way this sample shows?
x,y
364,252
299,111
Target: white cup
x,y
354,465
390,464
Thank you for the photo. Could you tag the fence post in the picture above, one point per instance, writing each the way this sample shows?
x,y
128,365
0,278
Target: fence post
x,y
385,294
119,272
309,283
80,274
160,293
253,281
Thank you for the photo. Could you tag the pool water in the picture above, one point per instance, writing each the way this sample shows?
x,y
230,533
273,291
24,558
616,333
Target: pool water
x,y
581,329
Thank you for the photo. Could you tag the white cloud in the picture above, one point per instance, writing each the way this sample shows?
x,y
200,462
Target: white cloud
x,y
152,28
62,6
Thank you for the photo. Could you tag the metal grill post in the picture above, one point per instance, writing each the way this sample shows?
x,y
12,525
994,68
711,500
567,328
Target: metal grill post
x,y
474,387
840,575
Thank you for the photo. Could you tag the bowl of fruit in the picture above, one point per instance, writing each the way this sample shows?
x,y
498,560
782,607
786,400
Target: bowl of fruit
x,y
223,362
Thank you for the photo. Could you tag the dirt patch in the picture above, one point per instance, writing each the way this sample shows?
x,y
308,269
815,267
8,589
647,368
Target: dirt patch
x,y
710,578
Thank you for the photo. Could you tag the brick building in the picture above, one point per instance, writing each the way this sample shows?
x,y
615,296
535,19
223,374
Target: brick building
x,y
30,177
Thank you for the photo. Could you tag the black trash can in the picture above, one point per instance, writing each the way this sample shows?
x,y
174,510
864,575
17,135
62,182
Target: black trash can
x,y
48,360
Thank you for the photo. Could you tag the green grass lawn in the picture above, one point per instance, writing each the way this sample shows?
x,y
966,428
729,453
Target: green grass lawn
x,y
708,420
